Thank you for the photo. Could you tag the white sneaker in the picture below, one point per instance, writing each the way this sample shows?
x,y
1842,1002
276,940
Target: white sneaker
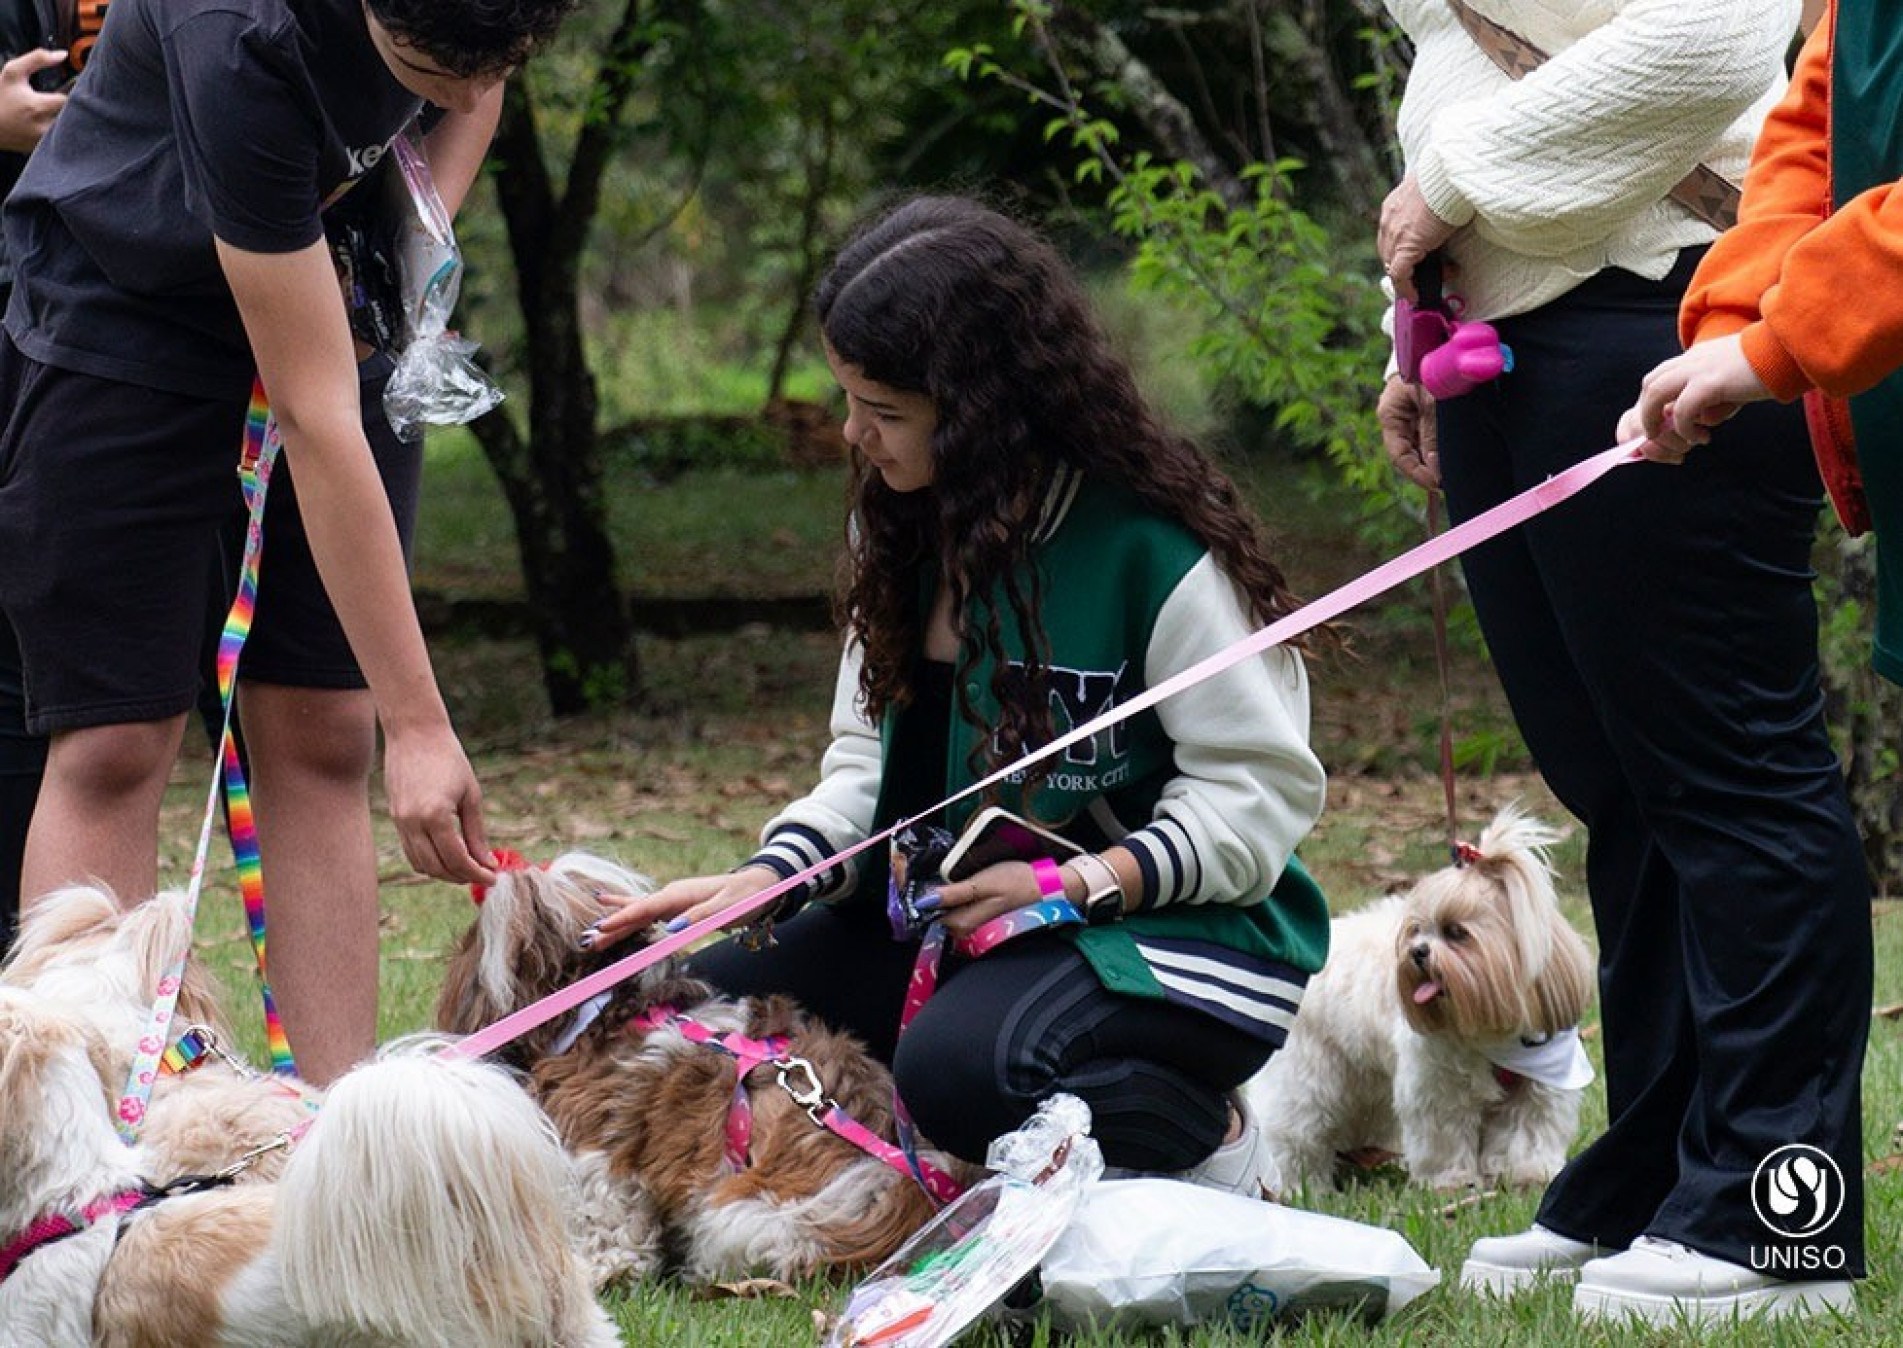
x,y
1662,1282
1245,1166
1504,1265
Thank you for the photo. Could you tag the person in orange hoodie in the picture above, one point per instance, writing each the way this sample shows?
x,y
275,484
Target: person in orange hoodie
x,y
1799,300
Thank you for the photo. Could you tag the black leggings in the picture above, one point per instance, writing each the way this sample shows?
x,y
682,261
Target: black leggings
x,y
1005,1032
1657,639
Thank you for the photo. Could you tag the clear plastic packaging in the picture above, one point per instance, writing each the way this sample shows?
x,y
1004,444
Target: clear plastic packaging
x,y
435,380
973,1253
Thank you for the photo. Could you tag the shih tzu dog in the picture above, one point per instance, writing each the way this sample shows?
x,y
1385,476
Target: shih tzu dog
x,y
426,1205
690,1158
1443,1028
79,949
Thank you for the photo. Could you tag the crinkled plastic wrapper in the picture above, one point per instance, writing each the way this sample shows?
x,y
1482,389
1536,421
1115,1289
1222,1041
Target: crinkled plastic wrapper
x,y
436,381
966,1259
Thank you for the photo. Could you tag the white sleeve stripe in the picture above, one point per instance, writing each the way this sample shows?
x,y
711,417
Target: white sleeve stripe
x,y
1266,985
1271,1013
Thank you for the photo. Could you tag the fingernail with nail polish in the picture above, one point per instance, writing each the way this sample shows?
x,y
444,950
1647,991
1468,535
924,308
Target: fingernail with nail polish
x,y
677,923
929,901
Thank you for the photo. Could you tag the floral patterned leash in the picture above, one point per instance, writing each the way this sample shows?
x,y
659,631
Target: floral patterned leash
x,y
259,455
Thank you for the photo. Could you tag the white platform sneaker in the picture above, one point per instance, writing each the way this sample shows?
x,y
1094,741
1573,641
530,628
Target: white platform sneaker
x,y
1244,1166
1662,1282
1504,1265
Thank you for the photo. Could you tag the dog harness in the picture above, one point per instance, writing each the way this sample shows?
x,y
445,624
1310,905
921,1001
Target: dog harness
x,y
52,1227
800,1080
56,1226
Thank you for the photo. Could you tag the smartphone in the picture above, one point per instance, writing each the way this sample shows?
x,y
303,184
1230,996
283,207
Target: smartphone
x,y
995,834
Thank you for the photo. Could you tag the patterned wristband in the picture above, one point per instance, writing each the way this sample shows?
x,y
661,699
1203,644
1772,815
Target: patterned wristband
x,y
1050,879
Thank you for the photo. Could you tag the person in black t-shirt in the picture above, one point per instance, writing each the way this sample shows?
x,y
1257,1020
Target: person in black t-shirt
x,y
167,243
25,113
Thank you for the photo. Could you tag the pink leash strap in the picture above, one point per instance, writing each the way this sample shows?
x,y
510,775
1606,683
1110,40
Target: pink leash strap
x,y
924,982
1489,523
942,1187
799,1079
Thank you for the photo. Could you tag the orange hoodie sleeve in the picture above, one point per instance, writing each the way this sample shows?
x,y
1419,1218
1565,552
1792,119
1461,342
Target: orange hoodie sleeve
x,y
1812,294
1786,196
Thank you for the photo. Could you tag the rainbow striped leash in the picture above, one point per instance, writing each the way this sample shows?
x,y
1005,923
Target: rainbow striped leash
x,y
259,455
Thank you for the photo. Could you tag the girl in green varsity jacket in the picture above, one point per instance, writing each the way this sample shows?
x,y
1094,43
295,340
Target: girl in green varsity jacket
x,y
1028,548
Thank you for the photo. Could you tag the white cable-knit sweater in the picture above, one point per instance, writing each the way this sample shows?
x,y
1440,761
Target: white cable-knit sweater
x,y
1563,173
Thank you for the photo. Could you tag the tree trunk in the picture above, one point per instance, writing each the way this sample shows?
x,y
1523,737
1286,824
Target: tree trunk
x,y
821,150
553,477
1163,115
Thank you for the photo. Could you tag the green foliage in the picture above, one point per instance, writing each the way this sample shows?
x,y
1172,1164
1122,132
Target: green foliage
x,y
1290,312
1289,321
1865,708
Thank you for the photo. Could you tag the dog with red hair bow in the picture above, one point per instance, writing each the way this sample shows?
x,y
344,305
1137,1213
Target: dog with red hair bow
x,y
649,1110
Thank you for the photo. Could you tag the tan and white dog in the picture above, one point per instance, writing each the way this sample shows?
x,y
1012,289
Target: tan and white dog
x,y
1443,1028
79,949
647,1113
426,1206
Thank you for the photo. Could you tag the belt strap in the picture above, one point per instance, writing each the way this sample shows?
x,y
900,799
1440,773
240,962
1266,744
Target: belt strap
x,y
1704,192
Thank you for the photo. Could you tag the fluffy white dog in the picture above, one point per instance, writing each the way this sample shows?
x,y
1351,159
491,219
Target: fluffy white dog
x,y
426,1206
1444,1028
80,950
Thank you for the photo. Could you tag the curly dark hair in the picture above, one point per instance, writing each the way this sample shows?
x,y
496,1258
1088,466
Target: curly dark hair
x,y
468,38
946,297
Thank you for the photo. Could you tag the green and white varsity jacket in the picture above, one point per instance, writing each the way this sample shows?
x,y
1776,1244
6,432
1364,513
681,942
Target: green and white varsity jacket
x,y
1211,789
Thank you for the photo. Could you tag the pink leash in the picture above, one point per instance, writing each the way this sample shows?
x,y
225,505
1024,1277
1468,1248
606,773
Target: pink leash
x,y
1489,523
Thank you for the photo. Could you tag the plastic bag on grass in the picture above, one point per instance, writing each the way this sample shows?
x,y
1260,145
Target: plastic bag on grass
x,y
435,379
1150,1252
968,1257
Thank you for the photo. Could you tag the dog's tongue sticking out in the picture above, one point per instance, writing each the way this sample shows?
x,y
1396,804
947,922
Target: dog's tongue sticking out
x,y
1426,992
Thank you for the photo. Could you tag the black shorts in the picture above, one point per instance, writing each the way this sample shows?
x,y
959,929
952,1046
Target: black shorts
x,y
121,531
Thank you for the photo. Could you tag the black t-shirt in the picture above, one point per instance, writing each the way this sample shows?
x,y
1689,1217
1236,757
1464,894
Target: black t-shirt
x,y
24,25
238,119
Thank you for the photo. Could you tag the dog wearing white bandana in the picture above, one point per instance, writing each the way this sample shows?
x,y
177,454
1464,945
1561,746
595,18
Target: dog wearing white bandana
x,y
1443,1028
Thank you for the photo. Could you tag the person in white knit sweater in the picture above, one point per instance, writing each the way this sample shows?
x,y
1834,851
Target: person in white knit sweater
x,y
1657,640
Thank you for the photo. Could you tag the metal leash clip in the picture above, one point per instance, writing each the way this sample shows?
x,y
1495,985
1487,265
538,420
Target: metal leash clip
x,y
251,1158
757,935
812,1096
208,1039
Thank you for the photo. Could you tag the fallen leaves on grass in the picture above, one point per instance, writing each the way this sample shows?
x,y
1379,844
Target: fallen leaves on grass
x,y
746,1289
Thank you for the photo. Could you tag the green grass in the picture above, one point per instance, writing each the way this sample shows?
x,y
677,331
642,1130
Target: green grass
x,y
682,793
736,726
718,531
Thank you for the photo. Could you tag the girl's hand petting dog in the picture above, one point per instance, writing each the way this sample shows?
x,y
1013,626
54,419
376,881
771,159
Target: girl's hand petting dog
x,y
680,904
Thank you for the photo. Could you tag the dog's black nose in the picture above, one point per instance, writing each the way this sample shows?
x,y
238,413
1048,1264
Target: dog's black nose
x,y
1418,953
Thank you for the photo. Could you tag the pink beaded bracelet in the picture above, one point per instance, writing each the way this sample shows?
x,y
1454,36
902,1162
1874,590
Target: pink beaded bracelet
x,y
1050,879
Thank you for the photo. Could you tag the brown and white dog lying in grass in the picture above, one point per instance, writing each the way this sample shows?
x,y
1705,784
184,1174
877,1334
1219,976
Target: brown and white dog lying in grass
x,y
646,1112
428,1204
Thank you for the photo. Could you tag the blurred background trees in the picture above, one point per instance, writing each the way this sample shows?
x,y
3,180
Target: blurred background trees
x,y
672,174
670,177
